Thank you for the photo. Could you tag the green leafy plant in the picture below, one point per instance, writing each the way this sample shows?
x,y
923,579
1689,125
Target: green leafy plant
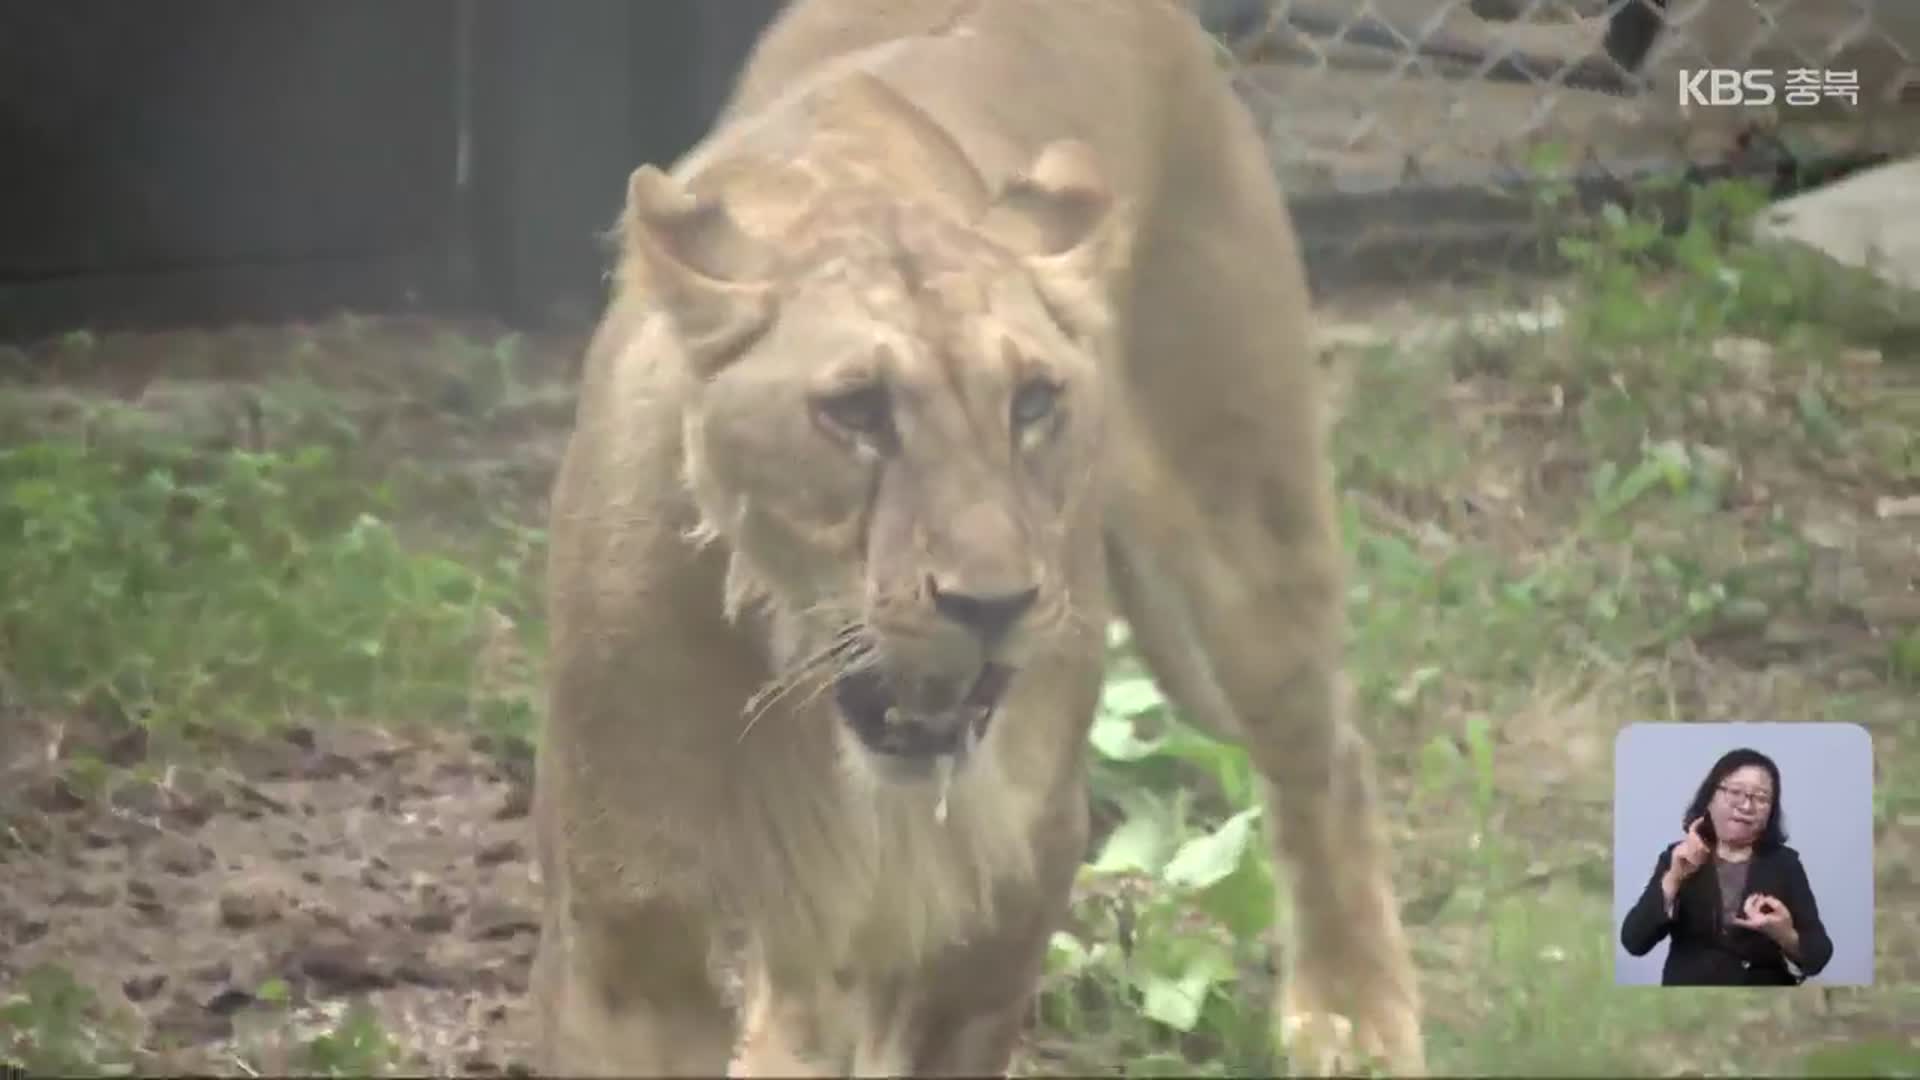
x,y
51,1025
227,590
357,1046
1175,907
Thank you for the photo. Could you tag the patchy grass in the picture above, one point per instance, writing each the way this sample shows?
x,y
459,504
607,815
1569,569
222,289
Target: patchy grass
x,y
220,556
52,1025
1659,500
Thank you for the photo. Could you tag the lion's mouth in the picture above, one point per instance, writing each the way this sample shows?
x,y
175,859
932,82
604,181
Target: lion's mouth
x,y
884,727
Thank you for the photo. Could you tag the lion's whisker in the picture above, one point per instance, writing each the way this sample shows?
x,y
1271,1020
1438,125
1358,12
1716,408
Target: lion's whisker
x,y
857,657
781,684
821,666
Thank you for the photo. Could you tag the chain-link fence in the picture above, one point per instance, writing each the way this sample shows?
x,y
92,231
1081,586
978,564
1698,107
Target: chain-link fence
x,y
1413,136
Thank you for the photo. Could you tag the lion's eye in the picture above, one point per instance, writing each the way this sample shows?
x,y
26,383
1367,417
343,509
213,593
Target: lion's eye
x,y
1034,402
864,411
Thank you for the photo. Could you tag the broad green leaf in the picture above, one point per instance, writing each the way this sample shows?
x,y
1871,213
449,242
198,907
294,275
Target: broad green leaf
x,y
1204,860
1225,762
1174,1002
1243,901
1131,695
1177,1001
1065,954
1139,844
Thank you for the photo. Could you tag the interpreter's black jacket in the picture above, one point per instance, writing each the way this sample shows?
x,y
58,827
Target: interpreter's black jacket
x,y
1709,951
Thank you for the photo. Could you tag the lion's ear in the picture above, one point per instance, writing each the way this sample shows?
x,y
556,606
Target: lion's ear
x,y
710,275
1075,235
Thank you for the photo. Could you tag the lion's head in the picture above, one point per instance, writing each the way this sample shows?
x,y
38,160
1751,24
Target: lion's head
x,y
891,418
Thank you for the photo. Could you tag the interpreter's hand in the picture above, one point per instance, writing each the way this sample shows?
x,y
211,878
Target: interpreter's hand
x,y
1692,853
1765,914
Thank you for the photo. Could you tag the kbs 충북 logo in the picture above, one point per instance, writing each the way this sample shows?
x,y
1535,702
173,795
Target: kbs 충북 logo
x,y
1760,86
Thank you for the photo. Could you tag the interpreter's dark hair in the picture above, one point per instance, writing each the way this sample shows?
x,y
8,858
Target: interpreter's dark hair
x,y
1775,833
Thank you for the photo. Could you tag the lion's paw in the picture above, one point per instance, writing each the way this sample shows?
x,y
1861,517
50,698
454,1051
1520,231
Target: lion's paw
x,y
1324,1043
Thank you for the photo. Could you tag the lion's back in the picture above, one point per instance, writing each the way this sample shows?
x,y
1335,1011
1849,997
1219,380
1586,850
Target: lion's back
x,y
1032,71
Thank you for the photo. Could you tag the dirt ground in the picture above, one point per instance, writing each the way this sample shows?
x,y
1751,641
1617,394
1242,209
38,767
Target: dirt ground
x,y
341,863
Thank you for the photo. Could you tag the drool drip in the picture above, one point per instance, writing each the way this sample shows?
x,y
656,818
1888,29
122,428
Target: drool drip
x,y
943,778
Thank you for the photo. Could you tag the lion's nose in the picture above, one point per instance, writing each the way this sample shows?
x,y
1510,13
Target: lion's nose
x,y
988,615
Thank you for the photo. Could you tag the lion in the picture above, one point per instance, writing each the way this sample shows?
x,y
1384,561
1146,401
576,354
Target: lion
x,y
971,326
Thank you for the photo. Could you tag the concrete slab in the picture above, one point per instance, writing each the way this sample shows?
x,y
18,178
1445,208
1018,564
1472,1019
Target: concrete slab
x,y
1870,219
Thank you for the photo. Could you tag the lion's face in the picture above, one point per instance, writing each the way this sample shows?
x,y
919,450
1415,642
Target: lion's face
x,y
893,425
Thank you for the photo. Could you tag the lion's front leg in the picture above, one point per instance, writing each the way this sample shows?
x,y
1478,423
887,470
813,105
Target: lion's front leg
x,y
1263,612
1351,984
629,992
893,1024
791,1028
1350,998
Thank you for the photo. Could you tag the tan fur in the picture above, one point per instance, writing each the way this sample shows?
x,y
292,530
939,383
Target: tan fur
x,y
962,199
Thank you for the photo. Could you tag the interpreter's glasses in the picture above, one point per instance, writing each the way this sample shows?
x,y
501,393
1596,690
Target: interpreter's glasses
x,y
1760,800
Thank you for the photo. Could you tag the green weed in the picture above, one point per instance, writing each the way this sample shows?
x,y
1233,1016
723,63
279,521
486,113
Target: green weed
x,y
357,1046
52,1025
230,591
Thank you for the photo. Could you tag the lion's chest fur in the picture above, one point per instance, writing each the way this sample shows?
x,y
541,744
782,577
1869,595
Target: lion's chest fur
x,y
865,873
